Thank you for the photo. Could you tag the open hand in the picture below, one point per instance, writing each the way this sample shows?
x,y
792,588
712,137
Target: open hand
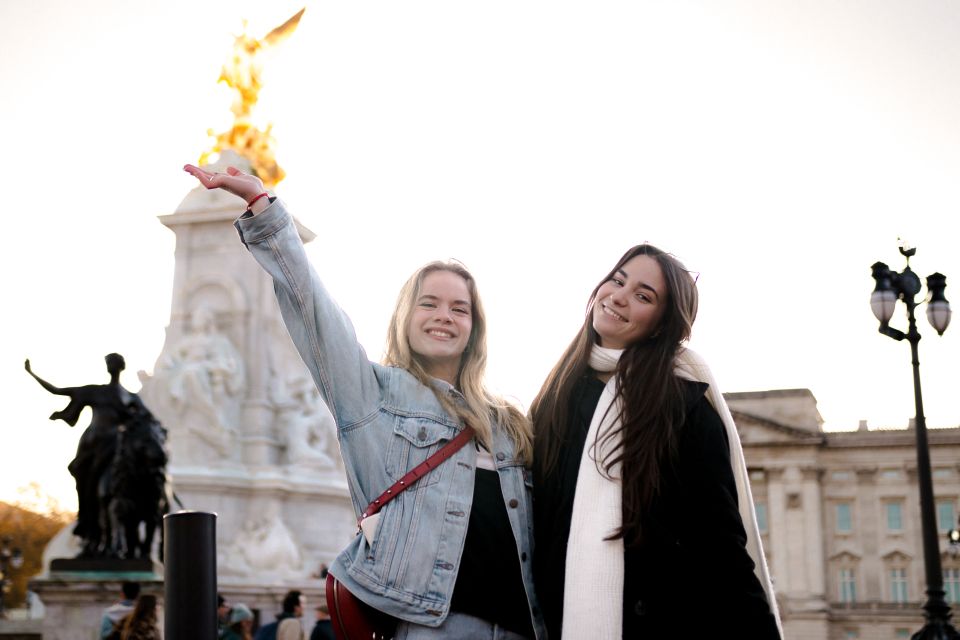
x,y
233,181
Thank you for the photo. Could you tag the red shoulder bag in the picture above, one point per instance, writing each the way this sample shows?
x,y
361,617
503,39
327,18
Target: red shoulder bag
x,y
350,617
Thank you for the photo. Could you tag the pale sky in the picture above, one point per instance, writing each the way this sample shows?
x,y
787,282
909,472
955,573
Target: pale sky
x,y
778,148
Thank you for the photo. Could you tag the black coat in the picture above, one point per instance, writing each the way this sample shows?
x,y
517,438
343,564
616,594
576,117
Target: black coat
x,y
691,576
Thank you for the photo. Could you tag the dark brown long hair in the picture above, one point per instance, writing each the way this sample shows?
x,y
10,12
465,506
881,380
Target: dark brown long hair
x,y
142,620
650,394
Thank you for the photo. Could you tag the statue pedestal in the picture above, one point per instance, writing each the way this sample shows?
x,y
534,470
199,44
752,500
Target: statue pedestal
x,y
74,601
139,568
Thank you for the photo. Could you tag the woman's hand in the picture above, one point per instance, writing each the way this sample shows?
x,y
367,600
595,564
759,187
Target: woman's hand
x,y
233,181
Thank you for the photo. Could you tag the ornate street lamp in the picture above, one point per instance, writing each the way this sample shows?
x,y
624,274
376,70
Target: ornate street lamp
x,y
9,559
905,286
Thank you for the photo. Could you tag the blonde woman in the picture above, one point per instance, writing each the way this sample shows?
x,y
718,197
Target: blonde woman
x,y
451,556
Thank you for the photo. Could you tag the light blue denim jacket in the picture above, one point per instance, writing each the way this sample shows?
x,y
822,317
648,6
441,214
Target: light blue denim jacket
x,y
387,423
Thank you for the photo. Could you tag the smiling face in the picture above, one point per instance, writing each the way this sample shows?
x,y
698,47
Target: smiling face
x,y
440,324
629,306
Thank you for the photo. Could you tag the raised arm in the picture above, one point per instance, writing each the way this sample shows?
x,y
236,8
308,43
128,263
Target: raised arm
x,y
321,331
43,383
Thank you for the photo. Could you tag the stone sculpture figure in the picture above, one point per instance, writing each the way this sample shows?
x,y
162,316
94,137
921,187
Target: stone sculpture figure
x,y
264,546
307,428
119,467
204,374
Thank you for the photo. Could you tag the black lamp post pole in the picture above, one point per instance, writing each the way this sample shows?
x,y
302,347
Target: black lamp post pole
x,y
906,285
937,610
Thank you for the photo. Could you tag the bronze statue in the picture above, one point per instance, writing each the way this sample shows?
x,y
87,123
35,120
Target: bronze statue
x,y
119,467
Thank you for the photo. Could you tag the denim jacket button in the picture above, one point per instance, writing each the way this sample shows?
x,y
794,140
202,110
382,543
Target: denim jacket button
x,y
501,456
523,556
513,503
422,434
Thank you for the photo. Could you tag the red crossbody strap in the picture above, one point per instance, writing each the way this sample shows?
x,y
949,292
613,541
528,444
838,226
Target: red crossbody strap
x,y
418,472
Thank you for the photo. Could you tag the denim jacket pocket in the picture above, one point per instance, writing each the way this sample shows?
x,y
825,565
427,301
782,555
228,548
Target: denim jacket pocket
x,y
415,439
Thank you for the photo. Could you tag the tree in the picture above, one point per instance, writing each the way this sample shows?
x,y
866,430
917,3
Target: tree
x,y
30,524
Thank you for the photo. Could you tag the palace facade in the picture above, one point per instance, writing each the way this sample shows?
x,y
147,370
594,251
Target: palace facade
x,y
839,514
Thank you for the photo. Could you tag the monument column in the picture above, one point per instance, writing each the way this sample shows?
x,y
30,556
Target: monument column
x,y
867,529
813,533
779,543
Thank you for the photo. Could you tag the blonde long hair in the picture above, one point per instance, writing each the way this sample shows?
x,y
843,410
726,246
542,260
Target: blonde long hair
x,y
482,407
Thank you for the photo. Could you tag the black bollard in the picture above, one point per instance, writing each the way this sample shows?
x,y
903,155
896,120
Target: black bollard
x,y
190,575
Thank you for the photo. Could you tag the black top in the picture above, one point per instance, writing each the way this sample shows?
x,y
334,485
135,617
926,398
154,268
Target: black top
x,y
489,583
692,564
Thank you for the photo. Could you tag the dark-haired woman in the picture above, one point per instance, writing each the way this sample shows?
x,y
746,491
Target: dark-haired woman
x,y
644,523
141,623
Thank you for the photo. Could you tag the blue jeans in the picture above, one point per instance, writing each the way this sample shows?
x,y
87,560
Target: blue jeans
x,y
459,626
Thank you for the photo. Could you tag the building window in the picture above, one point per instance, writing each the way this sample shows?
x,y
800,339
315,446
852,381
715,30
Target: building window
x,y
890,474
902,633
848,586
946,516
894,516
844,522
761,509
851,635
840,476
951,585
898,585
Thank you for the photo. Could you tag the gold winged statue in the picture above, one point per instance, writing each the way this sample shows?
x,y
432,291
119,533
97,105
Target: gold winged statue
x,y
242,73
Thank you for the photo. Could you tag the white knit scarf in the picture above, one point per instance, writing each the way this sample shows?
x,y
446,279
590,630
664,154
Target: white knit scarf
x,y
593,587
